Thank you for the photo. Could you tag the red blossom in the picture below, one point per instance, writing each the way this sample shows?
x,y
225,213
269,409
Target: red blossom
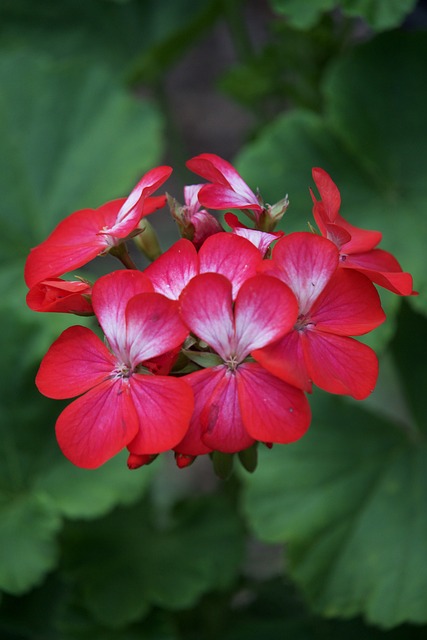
x,y
357,246
119,404
333,305
88,233
238,402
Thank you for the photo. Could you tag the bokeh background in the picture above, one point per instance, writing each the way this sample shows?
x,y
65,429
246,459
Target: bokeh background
x,y
328,538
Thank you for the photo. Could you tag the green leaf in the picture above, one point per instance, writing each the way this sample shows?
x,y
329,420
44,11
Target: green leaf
x,y
169,567
27,538
370,139
349,499
379,14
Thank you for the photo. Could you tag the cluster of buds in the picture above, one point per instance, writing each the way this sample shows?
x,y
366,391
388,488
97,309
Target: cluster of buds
x,y
215,345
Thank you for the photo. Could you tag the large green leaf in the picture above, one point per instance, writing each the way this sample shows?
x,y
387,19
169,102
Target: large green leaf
x,y
371,140
379,14
170,566
350,500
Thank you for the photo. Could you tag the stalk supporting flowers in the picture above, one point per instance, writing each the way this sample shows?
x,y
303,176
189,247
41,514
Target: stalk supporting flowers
x,y
214,347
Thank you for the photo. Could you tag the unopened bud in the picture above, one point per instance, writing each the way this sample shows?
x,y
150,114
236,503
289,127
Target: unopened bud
x,y
147,240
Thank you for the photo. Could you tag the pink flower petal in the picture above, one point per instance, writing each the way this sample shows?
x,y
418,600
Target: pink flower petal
x,y
173,270
265,310
191,199
219,171
77,361
236,258
153,327
98,425
349,305
285,360
306,263
164,406
340,365
110,296
221,419
272,410
132,211
217,196
206,308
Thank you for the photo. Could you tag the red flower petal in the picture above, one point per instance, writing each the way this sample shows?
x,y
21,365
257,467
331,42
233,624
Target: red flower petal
x,y
98,425
339,364
272,410
329,193
164,407
221,419
220,172
203,384
110,296
349,305
77,361
206,308
173,270
217,196
153,327
306,264
285,359
236,258
265,310
382,268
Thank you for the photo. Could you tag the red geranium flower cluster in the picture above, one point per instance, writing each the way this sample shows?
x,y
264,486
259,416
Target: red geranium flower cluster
x,y
214,346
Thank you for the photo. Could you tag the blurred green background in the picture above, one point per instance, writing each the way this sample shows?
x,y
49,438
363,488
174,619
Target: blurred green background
x,y
328,538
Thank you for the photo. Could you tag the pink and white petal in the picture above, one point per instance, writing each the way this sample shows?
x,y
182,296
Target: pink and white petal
x,y
205,225
328,192
339,364
98,425
77,361
285,360
265,310
261,239
132,209
174,269
191,199
349,305
206,308
217,196
153,327
307,263
337,235
234,257
110,296
203,384
217,170
272,410
164,406
221,419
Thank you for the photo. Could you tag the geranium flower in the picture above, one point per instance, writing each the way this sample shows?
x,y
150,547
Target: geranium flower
x,y
194,223
87,233
236,258
357,246
228,189
61,296
333,305
121,404
238,402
